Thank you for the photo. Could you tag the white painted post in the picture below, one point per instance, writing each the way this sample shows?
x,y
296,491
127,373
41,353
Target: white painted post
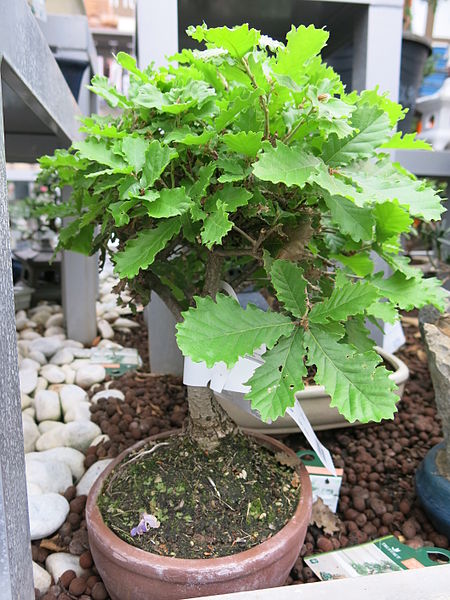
x,y
16,575
377,47
157,37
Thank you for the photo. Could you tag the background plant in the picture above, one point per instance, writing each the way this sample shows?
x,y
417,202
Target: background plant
x,y
248,162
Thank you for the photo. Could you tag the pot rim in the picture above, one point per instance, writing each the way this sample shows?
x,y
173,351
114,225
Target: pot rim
x,y
246,561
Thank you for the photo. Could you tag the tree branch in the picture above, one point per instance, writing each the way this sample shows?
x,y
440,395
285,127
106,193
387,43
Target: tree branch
x,y
213,274
165,294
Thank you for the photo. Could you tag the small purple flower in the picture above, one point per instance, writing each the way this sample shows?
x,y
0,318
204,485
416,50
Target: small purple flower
x,y
146,523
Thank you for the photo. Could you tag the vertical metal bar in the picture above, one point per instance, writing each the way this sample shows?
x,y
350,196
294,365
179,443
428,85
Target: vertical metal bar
x,y
16,573
377,44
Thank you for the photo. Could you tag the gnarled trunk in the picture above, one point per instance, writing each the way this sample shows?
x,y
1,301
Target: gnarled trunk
x,y
208,423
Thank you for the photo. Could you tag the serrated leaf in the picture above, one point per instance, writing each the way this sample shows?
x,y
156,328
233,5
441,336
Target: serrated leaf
x,y
391,220
335,186
411,293
129,188
186,136
129,63
233,197
157,158
356,222
395,111
285,164
382,182
134,149
99,151
244,142
384,311
406,141
287,279
274,383
119,211
358,388
373,127
348,300
238,40
397,262
171,202
216,225
101,86
357,335
240,104
139,252
223,331
303,43
360,263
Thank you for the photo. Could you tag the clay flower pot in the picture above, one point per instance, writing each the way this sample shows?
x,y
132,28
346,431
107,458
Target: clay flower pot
x,y
133,574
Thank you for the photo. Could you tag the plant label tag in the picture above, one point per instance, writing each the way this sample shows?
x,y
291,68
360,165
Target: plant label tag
x,y
384,555
324,484
298,414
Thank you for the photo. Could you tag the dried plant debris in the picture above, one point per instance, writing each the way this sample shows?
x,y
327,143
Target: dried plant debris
x,y
324,518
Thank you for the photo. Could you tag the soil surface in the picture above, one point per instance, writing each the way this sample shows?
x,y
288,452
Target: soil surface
x,y
377,496
207,506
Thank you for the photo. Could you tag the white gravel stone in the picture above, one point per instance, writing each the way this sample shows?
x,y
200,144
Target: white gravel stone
x,y
109,344
76,434
45,426
21,321
47,406
91,475
108,394
72,344
30,412
71,395
70,374
30,433
28,380
51,331
25,401
42,384
89,374
52,438
105,329
62,357
53,374
56,320
42,580
122,322
23,347
59,562
73,459
81,352
47,513
99,439
47,345
29,363
111,315
33,489
80,362
29,335
52,476
78,412
38,357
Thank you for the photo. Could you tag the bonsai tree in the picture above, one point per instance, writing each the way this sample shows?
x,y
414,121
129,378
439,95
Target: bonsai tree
x,y
247,162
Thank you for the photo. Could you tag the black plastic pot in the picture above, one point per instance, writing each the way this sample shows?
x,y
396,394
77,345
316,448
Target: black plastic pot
x,y
415,51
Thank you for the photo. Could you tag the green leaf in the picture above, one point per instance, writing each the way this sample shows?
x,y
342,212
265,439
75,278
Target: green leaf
x,y
401,263
411,293
134,149
357,335
238,41
384,311
244,142
382,182
119,211
223,331
240,104
391,220
232,196
303,43
186,136
101,86
157,158
274,383
395,111
358,388
335,186
348,300
99,151
285,164
129,63
203,178
140,252
356,222
216,225
406,141
82,241
287,279
360,263
171,202
129,188
372,126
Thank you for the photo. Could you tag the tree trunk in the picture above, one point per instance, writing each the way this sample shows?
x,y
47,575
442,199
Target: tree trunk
x,y
208,423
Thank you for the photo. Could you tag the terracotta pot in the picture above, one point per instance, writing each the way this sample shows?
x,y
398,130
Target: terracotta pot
x,y
132,574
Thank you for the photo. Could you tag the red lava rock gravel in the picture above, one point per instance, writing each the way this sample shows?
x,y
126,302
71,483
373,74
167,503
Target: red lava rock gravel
x,y
377,495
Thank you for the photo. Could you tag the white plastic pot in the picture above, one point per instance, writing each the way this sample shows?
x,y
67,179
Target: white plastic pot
x,y
314,401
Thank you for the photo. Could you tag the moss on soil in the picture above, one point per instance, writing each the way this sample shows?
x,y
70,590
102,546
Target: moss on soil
x,y
208,505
